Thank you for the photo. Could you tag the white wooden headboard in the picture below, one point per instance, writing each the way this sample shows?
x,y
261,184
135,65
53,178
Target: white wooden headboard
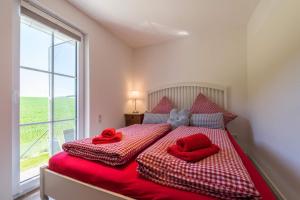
x,y
183,94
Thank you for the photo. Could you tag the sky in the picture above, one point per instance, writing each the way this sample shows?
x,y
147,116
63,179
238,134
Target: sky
x,y
35,49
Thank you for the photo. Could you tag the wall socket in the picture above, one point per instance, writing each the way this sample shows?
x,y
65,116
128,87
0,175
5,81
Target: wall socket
x,y
99,118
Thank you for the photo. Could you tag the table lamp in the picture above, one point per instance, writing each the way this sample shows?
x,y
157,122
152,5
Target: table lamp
x,y
134,95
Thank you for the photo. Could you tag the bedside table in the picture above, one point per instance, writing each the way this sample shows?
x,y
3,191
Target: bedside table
x,y
132,118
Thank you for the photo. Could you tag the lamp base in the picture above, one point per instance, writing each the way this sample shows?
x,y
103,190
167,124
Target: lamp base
x,y
135,112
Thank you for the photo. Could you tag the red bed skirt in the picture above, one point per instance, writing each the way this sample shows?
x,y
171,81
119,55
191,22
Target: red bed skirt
x,y
125,180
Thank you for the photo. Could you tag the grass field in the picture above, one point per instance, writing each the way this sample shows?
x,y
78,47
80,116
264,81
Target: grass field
x,y
34,139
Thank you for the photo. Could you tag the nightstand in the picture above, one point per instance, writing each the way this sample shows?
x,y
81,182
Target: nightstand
x,y
132,118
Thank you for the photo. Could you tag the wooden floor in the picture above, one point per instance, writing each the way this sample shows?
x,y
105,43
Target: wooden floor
x,y
34,195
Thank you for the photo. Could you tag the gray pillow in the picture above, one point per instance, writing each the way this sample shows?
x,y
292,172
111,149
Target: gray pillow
x,y
214,120
155,118
179,118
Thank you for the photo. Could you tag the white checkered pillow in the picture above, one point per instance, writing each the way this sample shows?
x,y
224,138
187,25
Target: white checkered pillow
x,y
154,118
214,120
203,105
164,106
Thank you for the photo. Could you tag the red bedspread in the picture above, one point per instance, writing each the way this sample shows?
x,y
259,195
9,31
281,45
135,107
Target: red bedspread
x,y
126,181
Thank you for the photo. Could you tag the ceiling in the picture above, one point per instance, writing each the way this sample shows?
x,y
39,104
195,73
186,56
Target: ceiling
x,y
146,22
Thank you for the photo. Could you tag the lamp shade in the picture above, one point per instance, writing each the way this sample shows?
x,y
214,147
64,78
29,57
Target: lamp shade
x,y
134,94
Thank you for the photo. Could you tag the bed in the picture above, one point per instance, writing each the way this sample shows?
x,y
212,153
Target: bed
x,y
69,177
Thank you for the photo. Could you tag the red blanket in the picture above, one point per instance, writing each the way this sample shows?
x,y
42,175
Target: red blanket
x,y
134,139
105,140
222,175
108,133
193,142
193,156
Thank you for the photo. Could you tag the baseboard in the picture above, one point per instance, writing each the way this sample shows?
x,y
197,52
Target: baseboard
x,y
272,185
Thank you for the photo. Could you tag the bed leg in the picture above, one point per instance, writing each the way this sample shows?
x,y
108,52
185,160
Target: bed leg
x,y
43,196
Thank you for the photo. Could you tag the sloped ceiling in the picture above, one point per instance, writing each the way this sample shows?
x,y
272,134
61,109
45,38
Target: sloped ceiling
x,y
146,22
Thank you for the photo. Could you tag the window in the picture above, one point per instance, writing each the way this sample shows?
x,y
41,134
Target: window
x,y
49,94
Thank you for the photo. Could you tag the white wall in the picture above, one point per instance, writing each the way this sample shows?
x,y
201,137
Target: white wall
x,y
214,56
109,62
274,97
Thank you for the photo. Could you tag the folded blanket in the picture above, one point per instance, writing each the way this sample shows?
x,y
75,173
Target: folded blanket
x,y
109,132
193,156
135,138
193,142
100,139
221,175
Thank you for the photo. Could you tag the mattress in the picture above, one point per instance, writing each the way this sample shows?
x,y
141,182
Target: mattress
x,y
126,180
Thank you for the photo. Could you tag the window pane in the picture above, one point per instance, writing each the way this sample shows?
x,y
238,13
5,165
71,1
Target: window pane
x,y
64,55
64,98
35,45
34,93
45,97
34,149
63,132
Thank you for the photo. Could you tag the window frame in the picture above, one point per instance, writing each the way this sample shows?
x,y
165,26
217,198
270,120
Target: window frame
x,y
20,188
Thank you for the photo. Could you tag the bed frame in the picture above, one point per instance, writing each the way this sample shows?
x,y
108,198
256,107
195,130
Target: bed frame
x,y
61,187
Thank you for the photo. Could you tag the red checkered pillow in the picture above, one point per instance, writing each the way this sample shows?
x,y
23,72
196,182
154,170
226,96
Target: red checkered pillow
x,y
203,105
164,106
